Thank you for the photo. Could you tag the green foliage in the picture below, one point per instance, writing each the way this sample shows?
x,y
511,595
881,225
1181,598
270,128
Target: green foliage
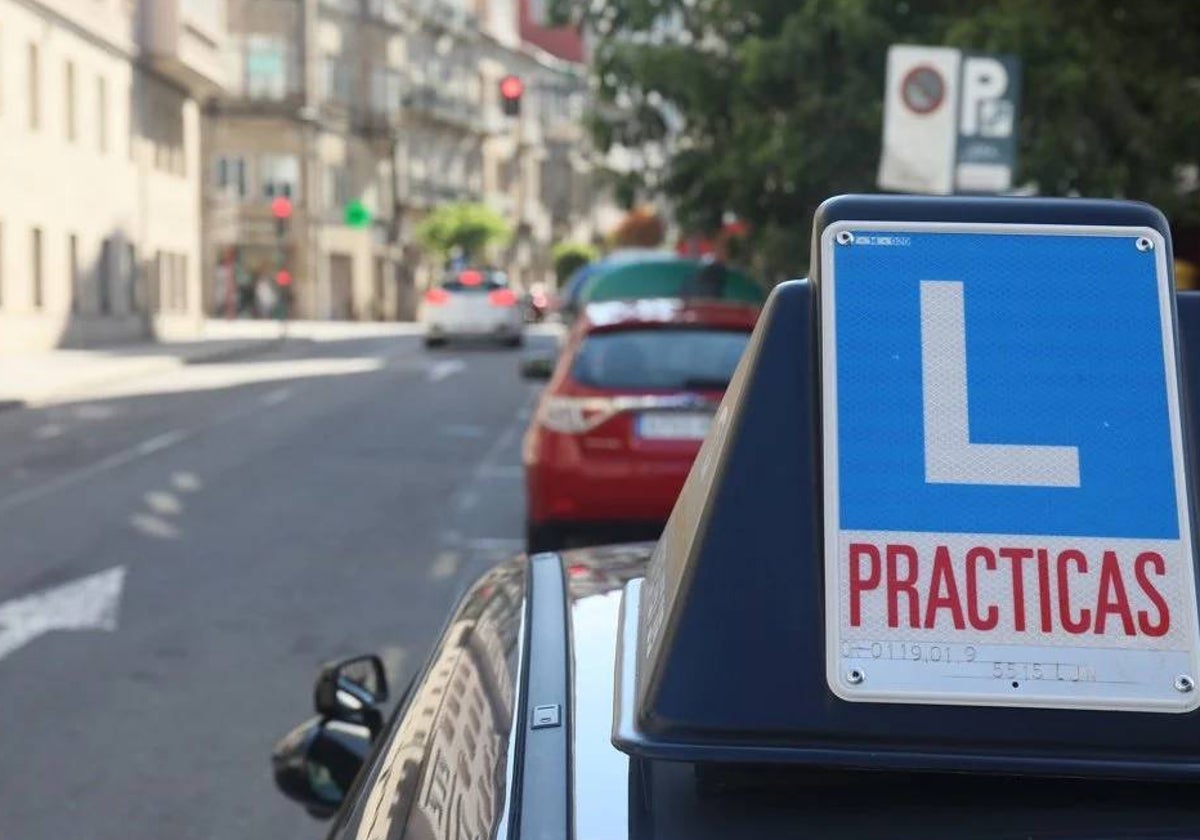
x,y
777,104
471,227
569,257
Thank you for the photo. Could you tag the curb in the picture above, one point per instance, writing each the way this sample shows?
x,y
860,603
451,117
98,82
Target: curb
x,y
253,347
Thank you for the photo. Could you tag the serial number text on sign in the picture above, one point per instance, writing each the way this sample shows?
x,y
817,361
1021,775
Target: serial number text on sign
x,y
1006,516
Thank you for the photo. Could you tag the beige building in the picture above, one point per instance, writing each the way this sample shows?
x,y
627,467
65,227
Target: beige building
x,y
100,167
391,106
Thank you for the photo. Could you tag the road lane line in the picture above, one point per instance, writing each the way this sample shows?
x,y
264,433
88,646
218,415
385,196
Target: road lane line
x,y
277,396
445,369
118,459
444,566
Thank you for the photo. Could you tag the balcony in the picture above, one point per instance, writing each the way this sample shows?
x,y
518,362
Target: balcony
x,y
429,101
184,40
449,16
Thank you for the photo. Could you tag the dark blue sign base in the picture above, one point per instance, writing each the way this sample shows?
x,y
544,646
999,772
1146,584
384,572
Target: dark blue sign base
x,y
735,671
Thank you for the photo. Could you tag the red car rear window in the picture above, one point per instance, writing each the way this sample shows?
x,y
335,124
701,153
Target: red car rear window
x,y
659,359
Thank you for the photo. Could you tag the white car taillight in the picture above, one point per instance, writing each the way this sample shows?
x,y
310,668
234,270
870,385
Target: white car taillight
x,y
575,415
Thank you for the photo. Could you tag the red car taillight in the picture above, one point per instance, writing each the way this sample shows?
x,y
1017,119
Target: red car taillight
x,y
502,297
436,297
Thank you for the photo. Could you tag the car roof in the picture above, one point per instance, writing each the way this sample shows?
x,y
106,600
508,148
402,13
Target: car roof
x,y
583,274
622,314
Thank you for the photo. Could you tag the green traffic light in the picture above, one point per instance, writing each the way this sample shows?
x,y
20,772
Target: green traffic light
x,y
357,215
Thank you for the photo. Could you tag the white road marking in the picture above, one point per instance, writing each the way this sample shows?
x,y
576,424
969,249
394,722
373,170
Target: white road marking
x,y
153,526
444,566
163,503
186,482
160,442
48,431
445,369
277,396
118,459
88,603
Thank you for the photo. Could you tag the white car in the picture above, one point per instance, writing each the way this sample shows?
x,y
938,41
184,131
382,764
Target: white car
x,y
473,303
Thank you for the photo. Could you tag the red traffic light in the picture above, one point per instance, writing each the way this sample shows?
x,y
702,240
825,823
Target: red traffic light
x,y
511,87
281,207
283,277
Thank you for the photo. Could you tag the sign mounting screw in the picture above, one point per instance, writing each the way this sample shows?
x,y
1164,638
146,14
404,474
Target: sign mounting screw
x,y
1145,244
845,237
855,676
1184,683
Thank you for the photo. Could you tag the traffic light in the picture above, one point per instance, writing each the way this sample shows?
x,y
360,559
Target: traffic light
x,y
281,209
511,89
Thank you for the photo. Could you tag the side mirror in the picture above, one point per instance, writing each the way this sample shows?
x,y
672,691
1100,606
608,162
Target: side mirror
x,y
316,763
537,366
352,691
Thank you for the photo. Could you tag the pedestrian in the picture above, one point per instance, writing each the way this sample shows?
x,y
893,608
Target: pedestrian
x,y
266,297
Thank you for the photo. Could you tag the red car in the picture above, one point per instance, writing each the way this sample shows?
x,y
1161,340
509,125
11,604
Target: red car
x,y
624,414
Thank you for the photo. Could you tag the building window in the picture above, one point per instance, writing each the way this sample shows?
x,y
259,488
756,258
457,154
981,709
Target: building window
x,y
130,273
35,246
266,67
73,267
339,81
231,176
69,100
279,175
35,88
104,278
337,189
102,114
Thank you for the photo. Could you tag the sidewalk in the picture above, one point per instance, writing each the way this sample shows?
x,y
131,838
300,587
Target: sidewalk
x,y
40,378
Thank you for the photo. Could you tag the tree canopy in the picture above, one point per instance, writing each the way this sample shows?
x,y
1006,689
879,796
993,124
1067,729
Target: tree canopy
x,y
763,108
469,227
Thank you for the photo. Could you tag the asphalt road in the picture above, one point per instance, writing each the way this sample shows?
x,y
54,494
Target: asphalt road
x,y
263,516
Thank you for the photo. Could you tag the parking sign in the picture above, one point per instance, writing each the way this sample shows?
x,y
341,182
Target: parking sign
x,y
1006,514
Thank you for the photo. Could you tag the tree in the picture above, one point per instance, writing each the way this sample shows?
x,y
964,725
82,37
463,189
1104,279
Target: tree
x,y
469,227
766,107
569,257
639,228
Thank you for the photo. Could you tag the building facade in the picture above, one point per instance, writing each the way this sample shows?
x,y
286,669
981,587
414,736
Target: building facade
x,y
366,115
100,168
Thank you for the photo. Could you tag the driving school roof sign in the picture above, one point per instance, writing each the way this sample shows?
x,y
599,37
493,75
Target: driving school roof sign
x,y
1006,514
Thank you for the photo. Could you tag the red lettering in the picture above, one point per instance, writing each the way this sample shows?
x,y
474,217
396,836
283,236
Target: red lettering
x,y
1043,559
858,583
1064,594
993,612
1018,556
1111,599
1163,624
897,585
943,579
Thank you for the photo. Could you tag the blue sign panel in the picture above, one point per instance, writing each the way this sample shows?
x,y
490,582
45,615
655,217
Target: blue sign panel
x,y
1064,348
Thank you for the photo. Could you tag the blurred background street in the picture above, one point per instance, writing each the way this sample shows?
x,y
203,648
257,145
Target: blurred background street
x,y
240,241
322,498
